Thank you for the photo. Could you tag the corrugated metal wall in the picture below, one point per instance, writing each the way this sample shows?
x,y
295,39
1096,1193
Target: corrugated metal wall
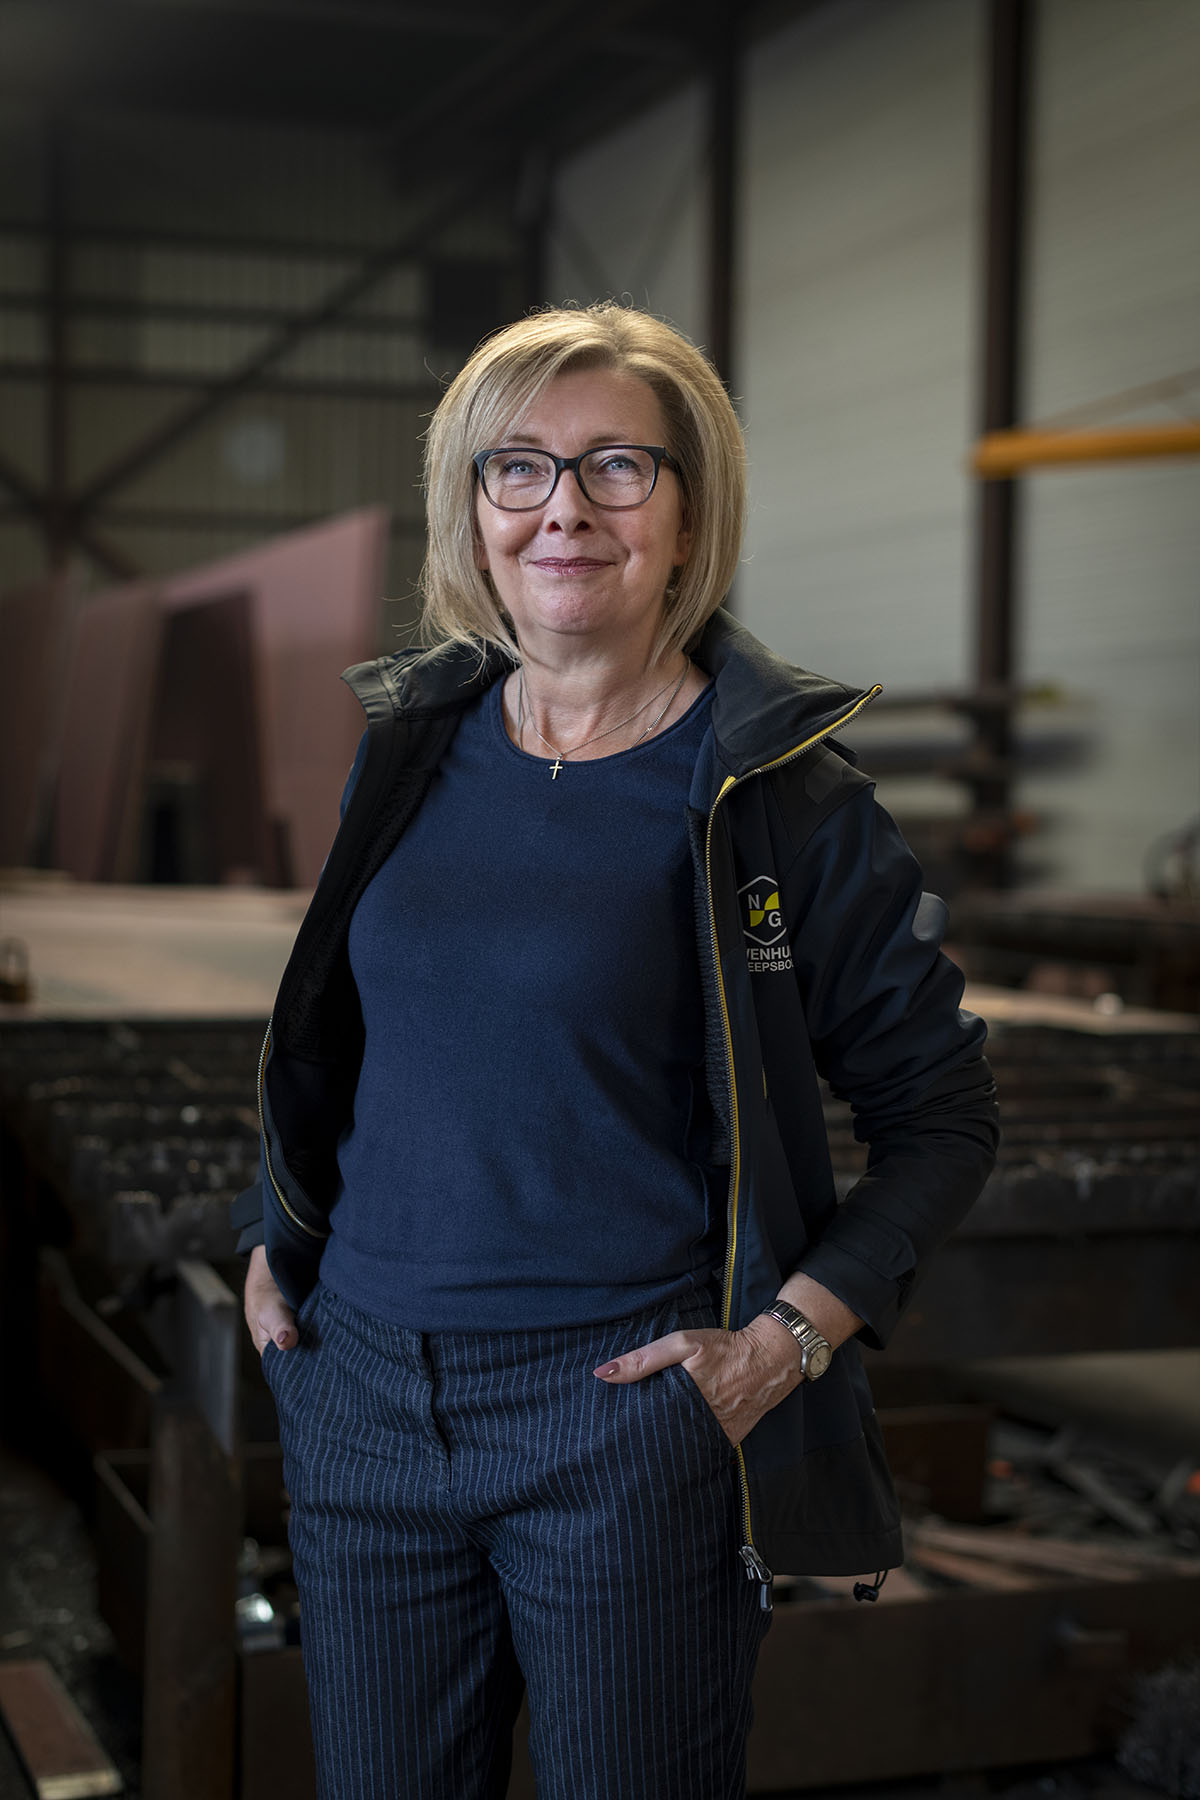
x,y
188,247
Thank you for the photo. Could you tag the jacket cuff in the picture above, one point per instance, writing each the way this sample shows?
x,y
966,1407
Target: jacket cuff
x,y
876,1298
246,1218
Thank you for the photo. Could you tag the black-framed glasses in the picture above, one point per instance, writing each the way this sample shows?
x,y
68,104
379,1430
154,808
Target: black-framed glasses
x,y
614,476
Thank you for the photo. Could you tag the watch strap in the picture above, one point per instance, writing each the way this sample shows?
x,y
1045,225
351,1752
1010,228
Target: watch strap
x,y
805,1333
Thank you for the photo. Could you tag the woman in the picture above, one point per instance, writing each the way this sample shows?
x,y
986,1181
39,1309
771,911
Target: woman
x,y
549,1280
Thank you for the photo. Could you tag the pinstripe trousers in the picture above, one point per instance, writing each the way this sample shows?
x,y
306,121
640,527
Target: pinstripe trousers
x,y
474,1514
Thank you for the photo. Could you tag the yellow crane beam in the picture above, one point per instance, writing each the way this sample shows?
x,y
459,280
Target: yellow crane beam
x,y
1005,453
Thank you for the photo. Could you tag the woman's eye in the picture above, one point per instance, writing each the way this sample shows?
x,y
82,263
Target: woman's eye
x,y
518,465
617,462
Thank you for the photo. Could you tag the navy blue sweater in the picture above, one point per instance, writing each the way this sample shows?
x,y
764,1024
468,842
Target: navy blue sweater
x,y
531,1130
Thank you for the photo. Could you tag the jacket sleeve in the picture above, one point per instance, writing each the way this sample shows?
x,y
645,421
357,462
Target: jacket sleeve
x,y
246,1212
882,1004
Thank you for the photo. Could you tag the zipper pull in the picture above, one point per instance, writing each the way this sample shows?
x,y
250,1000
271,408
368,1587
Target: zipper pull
x,y
757,1570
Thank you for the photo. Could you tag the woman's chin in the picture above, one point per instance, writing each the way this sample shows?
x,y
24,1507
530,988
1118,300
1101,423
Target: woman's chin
x,y
585,618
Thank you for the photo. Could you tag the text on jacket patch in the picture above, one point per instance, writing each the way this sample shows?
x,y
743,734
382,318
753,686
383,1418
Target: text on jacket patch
x,y
767,949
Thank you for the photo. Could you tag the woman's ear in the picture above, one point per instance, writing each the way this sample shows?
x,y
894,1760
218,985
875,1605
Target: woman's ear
x,y
683,544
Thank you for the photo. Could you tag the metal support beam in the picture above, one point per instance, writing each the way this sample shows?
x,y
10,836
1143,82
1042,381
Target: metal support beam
x,y
223,243
531,209
422,394
344,294
128,309
1009,41
723,116
111,558
400,18
18,483
1008,453
494,85
57,387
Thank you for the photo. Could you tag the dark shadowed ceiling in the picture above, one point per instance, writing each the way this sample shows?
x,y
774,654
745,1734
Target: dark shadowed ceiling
x,y
560,70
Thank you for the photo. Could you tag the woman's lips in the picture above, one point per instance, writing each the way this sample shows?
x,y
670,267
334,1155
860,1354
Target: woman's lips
x,y
574,565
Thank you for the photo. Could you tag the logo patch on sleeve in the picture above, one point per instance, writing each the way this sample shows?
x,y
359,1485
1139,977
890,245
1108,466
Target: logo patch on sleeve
x,y
767,949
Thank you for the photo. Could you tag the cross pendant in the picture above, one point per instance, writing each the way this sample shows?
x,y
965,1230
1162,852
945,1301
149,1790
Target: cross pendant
x,y
555,766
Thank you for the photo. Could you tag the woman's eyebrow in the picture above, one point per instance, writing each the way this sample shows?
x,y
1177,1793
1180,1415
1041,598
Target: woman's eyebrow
x,y
598,438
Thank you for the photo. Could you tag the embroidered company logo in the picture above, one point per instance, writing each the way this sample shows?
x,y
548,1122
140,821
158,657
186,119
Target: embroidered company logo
x,y
767,949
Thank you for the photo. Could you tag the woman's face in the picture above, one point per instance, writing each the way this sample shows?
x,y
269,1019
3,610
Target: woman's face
x,y
571,570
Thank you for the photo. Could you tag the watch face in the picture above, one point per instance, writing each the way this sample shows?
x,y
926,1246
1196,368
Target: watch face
x,y
819,1360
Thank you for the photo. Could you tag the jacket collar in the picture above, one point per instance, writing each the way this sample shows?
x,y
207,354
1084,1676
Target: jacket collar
x,y
425,683
763,707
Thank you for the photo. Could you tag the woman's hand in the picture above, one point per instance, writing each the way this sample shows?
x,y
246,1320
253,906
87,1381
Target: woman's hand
x,y
267,1312
741,1374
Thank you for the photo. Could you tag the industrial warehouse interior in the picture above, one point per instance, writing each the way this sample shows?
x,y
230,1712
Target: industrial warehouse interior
x,y
944,256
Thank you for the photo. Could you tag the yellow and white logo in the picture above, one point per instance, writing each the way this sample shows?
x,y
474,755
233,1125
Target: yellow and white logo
x,y
767,948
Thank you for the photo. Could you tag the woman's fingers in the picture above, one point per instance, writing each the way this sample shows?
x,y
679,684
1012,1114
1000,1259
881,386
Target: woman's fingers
x,y
711,1358
739,1381
660,1353
279,1328
268,1315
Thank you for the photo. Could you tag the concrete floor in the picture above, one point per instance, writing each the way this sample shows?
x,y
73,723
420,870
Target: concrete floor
x,y
99,952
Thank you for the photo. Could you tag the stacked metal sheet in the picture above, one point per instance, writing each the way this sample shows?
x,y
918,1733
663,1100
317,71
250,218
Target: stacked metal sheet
x,y
1087,1236
143,1132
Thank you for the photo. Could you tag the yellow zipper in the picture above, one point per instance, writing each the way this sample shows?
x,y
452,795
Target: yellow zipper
x,y
262,1131
756,1569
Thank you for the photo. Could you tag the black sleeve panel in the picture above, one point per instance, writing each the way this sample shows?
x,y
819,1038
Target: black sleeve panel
x,y
882,1004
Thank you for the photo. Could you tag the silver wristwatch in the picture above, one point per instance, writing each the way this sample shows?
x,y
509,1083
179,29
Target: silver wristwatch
x,y
816,1352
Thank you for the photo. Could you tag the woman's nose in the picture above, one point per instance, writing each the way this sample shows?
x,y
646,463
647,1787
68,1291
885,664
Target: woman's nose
x,y
568,508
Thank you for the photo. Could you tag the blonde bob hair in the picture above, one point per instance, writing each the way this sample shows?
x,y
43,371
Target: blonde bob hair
x,y
487,400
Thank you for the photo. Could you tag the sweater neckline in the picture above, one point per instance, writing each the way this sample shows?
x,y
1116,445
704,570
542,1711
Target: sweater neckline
x,y
494,700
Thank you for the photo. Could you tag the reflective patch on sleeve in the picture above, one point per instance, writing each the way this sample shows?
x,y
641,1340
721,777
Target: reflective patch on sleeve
x,y
930,919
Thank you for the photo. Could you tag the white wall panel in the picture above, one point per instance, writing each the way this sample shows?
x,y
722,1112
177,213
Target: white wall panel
x,y
629,216
856,310
1111,555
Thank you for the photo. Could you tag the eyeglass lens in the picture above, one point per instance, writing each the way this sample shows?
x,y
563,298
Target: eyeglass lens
x,y
615,475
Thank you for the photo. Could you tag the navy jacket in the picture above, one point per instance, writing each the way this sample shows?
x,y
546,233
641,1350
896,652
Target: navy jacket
x,y
820,957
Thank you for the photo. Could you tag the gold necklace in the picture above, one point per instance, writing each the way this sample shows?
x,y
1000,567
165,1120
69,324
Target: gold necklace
x,y
560,756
